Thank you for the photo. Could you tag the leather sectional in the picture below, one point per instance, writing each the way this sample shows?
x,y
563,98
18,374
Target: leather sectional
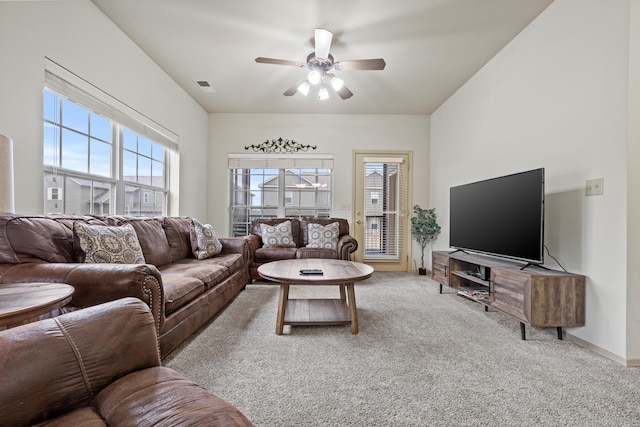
x,y
183,293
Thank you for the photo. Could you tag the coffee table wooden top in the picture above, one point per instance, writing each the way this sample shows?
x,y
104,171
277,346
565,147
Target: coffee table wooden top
x,y
334,271
24,301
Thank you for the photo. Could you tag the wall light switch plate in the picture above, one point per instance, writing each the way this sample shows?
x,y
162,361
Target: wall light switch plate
x,y
595,187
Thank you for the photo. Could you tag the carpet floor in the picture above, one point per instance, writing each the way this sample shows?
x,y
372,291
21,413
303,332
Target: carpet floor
x,y
421,359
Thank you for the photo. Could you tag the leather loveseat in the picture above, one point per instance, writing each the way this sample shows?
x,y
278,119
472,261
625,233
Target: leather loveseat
x,y
260,253
182,292
96,367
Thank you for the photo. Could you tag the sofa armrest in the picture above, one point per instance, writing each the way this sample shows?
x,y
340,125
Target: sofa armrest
x,y
238,245
347,245
97,283
234,245
58,365
255,242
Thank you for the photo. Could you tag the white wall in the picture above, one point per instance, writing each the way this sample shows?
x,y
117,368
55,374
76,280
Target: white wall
x,y
336,134
79,37
555,97
633,160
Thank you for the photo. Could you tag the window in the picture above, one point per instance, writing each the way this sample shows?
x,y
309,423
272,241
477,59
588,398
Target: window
x,y
90,159
384,236
375,195
271,193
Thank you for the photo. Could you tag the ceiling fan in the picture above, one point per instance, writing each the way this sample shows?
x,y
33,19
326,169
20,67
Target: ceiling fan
x,y
321,64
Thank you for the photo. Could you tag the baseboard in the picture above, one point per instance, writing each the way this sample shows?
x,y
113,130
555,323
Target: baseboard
x,y
630,363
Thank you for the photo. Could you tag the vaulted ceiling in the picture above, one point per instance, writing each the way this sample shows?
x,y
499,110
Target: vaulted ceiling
x,y
431,48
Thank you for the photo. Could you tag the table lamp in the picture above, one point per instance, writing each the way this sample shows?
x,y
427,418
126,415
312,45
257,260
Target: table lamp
x,y
6,175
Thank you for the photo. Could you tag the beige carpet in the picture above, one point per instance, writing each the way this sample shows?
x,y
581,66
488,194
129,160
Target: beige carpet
x,y
420,359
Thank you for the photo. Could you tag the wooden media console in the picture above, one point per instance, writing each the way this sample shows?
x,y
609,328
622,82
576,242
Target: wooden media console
x,y
533,295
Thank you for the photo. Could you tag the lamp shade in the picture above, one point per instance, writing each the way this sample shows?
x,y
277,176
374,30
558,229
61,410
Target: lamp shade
x,y
6,175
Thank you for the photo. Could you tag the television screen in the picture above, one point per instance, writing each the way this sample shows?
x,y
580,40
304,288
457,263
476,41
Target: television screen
x,y
502,216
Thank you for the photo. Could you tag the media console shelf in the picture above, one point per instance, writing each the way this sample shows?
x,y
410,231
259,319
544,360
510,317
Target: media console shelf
x,y
534,295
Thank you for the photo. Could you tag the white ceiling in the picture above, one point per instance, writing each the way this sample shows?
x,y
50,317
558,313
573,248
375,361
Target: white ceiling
x,y
431,48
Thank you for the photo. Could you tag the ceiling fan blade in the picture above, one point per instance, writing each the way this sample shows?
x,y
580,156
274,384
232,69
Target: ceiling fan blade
x,y
262,60
344,93
360,64
323,43
293,89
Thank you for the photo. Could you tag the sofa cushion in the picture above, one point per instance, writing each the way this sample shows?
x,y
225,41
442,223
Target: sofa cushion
x,y
323,236
85,417
207,271
204,241
153,240
105,244
304,227
161,397
274,254
179,290
39,238
256,227
277,236
177,230
307,252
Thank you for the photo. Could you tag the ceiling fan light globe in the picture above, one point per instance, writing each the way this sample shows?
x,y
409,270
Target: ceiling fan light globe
x,y
323,93
304,88
337,83
314,77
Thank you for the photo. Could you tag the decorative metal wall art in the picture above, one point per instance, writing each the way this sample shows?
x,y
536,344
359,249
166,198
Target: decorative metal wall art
x,y
280,146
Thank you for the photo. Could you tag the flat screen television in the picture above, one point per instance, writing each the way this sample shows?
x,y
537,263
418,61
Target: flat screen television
x,y
502,216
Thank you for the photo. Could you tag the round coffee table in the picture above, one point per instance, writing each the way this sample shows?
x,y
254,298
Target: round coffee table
x,y
316,311
25,301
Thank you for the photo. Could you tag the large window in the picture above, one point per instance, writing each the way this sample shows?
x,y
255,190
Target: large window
x,y
270,193
94,165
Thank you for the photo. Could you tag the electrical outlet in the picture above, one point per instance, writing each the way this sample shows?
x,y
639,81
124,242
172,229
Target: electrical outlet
x,y
595,187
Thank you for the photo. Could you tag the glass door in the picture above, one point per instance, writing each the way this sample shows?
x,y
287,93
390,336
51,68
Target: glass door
x,y
381,206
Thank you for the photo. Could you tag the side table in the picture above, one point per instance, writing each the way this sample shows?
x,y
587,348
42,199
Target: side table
x,y
24,301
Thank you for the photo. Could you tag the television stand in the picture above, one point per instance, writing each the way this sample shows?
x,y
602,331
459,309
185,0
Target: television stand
x,y
537,296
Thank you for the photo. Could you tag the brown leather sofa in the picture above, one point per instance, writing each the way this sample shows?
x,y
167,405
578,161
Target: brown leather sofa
x,y
182,292
258,254
97,367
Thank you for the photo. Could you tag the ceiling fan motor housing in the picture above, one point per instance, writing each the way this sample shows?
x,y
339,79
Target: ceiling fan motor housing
x,y
318,64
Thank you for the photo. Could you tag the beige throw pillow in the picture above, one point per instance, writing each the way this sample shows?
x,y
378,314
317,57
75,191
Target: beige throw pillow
x,y
277,236
204,241
323,236
112,245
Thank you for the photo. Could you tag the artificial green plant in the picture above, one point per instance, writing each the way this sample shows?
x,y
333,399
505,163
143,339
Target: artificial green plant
x,y
424,227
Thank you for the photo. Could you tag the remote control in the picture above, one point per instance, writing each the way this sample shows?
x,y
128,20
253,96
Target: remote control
x,y
310,271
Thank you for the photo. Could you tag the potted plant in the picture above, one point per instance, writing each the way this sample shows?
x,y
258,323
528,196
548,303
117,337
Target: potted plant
x,y
424,229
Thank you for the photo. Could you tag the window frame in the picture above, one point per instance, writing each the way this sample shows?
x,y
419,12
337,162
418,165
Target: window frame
x,y
116,179
243,212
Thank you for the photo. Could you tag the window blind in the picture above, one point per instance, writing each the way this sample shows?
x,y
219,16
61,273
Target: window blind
x,y
70,85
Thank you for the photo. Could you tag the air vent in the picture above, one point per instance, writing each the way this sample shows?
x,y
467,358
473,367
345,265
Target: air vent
x,y
205,86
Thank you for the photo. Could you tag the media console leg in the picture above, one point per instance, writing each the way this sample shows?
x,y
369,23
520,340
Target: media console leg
x,y
559,329
440,287
522,332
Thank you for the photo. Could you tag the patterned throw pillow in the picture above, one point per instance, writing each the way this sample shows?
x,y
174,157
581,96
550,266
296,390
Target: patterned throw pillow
x,y
323,236
277,236
113,245
204,241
